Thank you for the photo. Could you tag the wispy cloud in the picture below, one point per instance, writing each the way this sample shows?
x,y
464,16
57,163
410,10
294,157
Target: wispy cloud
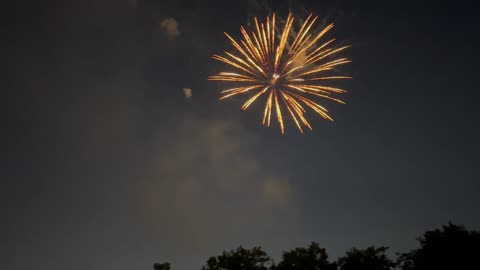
x,y
187,92
170,27
208,184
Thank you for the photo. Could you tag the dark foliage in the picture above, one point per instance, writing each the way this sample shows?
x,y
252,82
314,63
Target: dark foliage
x,y
240,259
449,248
312,258
161,266
370,258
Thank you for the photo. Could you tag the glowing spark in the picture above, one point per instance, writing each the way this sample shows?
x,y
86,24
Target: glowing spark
x,y
287,74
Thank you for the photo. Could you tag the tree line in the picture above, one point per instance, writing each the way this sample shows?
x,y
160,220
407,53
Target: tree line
x,y
451,247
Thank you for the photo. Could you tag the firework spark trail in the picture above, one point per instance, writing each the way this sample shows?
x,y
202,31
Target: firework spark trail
x,y
270,64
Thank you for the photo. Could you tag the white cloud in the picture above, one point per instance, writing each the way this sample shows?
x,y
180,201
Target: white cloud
x,y
170,27
205,181
187,92
277,191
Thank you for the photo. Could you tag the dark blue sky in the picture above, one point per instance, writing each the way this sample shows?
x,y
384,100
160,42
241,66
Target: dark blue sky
x,y
109,166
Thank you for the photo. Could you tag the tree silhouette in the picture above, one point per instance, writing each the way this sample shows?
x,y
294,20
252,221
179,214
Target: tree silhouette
x,y
161,266
452,247
370,258
240,259
312,258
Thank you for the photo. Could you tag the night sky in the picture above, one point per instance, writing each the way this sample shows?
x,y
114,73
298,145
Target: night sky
x,y
108,165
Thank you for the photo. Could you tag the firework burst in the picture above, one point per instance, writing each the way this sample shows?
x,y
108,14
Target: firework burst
x,y
284,67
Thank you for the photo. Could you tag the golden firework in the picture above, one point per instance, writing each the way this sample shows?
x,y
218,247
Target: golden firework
x,y
284,67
